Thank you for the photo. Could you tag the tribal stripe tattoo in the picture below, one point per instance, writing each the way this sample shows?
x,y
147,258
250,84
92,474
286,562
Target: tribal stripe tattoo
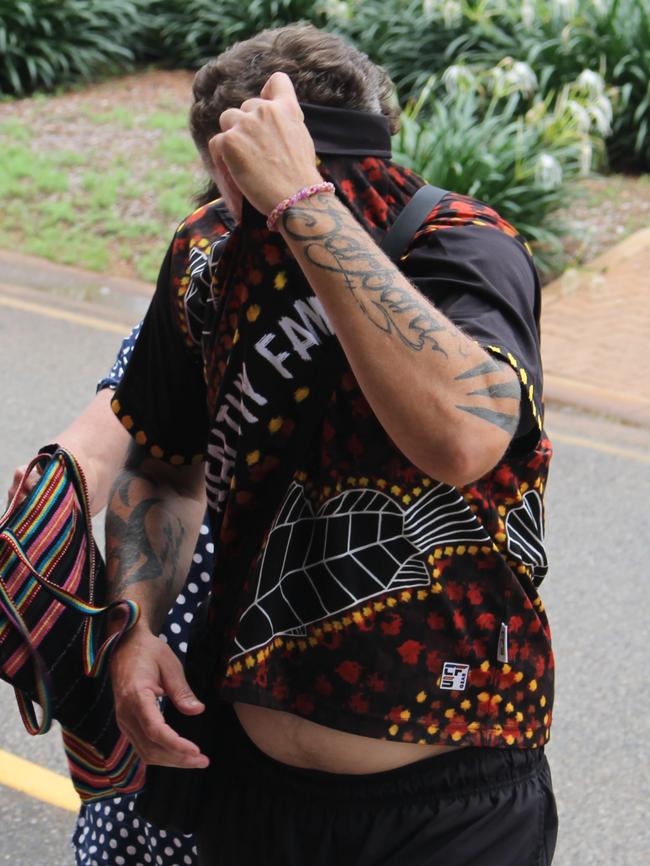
x,y
500,390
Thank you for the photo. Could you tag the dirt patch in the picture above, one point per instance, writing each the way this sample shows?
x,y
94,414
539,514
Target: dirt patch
x,y
127,166
171,88
604,212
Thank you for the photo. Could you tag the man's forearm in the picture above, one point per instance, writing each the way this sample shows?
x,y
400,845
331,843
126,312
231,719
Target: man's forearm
x,y
152,523
437,392
100,443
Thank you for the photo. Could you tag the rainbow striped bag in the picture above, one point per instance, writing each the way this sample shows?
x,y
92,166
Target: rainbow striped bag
x,y
53,647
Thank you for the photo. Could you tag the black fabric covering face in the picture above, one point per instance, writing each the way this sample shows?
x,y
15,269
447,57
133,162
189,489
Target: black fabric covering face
x,y
341,132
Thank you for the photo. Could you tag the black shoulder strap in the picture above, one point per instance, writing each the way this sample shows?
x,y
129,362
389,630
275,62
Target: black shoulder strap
x,y
409,221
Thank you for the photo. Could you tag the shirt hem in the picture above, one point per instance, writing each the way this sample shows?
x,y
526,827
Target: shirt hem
x,y
449,733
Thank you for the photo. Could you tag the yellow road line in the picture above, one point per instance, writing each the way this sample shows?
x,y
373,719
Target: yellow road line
x,y
36,781
65,315
583,442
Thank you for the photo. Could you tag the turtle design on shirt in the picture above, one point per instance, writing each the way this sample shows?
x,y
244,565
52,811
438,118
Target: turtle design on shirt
x,y
360,544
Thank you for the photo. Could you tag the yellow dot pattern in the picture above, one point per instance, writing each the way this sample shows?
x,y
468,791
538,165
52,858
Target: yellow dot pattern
x,y
524,378
141,438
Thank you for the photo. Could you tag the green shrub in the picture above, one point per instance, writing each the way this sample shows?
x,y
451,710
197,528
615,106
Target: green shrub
x,y
522,165
190,33
44,43
561,39
557,38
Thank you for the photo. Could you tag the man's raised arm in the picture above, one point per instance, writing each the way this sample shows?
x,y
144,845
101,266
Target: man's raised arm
x,y
446,403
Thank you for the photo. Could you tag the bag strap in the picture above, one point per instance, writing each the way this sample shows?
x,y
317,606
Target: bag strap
x,y
409,221
41,676
94,657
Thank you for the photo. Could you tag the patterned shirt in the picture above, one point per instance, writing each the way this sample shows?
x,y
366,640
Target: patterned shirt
x,y
376,600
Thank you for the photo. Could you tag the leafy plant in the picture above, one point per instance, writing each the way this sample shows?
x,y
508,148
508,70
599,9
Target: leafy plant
x,y
558,39
190,33
46,42
521,165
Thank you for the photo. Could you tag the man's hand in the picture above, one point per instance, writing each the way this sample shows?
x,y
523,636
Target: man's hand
x,y
264,148
143,669
30,483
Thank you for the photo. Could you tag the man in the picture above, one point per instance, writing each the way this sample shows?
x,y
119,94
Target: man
x,y
375,467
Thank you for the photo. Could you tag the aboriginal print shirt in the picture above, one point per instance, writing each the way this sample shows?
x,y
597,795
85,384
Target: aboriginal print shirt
x,y
349,587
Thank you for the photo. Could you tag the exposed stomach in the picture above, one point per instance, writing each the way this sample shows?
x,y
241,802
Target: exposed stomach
x,y
300,743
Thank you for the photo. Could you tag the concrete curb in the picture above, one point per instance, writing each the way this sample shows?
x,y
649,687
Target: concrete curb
x,y
103,291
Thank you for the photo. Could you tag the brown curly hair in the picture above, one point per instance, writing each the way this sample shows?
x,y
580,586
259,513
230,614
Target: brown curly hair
x,y
324,69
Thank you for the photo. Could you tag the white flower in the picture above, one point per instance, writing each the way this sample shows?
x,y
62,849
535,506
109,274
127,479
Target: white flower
x,y
591,81
338,9
457,77
430,7
601,113
579,114
527,14
498,76
521,77
452,13
548,171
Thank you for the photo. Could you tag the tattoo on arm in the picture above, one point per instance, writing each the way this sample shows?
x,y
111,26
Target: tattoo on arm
x,y
499,419
507,390
333,241
343,247
490,366
499,390
143,541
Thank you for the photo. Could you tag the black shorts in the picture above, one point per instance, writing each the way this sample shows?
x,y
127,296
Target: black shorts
x,y
471,807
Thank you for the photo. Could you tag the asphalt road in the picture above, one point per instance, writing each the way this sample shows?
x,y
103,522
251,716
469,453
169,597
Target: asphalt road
x,y
596,594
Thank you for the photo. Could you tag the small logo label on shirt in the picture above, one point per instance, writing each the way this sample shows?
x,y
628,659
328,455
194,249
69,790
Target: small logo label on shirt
x,y
502,649
454,676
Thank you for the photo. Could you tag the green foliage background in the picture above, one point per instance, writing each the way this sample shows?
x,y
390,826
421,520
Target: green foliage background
x,y
496,100
44,43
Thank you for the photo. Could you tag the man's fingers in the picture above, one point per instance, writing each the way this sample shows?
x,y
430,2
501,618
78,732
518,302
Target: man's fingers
x,y
279,86
178,690
251,104
229,117
155,741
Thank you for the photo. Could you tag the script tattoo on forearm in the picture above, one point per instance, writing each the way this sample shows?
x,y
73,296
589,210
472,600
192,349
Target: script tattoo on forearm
x,y
143,540
499,390
333,241
343,248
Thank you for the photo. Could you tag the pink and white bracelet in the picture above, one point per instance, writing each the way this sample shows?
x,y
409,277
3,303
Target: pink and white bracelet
x,y
301,195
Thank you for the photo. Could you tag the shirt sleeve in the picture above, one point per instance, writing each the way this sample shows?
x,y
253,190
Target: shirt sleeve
x,y
161,398
114,376
484,281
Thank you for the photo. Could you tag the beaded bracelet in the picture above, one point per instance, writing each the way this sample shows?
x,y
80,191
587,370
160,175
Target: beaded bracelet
x,y
301,195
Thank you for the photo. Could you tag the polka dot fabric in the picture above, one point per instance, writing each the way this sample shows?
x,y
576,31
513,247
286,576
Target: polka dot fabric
x,y
115,374
113,833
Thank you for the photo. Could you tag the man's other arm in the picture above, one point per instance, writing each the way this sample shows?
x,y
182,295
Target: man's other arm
x,y
152,523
